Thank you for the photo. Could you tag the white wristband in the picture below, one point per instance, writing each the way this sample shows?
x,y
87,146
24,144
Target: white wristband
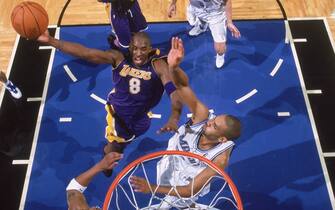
x,y
74,185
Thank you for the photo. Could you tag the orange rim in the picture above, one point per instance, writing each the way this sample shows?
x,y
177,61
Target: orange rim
x,y
171,152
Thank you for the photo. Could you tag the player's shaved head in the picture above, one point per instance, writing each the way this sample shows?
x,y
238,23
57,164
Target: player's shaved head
x,y
233,127
143,36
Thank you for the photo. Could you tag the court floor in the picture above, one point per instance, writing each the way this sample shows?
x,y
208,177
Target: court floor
x,y
275,164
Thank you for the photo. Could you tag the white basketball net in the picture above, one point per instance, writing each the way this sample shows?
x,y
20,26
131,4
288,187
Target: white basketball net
x,y
124,197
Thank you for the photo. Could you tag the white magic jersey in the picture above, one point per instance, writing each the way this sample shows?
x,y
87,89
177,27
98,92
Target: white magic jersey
x,y
179,170
208,4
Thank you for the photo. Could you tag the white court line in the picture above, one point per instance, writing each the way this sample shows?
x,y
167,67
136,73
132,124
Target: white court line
x,y
276,68
245,97
45,48
65,119
314,91
20,162
287,34
34,99
305,18
155,116
329,154
189,115
283,114
313,125
69,72
37,128
299,40
97,98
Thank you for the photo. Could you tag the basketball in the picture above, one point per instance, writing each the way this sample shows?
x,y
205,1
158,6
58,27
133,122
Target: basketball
x,y
29,19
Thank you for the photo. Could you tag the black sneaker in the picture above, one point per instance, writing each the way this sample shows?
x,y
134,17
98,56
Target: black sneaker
x,y
115,147
108,172
111,41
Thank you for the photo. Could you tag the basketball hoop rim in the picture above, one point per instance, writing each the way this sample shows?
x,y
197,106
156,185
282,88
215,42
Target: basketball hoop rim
x,y
172,152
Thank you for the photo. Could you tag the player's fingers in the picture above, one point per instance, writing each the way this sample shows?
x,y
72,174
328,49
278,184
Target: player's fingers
x,y
181,45
113,165
114,156
175,43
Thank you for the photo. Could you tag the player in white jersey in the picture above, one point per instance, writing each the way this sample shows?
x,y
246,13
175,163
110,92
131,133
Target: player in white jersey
x,y
205,134
215,14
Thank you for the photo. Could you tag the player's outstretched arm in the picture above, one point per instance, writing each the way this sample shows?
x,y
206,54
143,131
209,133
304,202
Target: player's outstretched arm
x,y
141,185
180,80
74,191
162,70
93,55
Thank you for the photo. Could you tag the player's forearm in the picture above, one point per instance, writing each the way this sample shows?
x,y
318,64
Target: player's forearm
x,y
86,177
228,8
71,48
173,1
179,77
176,108
183,191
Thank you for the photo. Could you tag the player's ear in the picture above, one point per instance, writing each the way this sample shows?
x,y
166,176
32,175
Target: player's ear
x,y
223,139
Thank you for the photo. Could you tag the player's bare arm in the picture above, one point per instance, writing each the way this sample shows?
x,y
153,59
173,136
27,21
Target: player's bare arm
x,y
75,198
92,55
203,178
180,79
161,68
230,25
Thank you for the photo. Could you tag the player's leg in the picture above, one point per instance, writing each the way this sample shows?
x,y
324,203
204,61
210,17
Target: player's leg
x,y
218,29
14,122
193,15
137,21
120,24
122,130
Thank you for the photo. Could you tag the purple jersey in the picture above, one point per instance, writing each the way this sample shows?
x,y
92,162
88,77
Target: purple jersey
x,y
137,90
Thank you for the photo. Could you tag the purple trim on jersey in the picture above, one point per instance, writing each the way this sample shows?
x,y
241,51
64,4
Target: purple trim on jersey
x,y
124,24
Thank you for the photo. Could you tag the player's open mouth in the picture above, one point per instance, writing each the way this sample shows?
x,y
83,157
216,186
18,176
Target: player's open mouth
x,y
138,60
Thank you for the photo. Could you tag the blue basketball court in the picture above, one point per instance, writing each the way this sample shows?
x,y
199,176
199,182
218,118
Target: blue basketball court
x,y
275,164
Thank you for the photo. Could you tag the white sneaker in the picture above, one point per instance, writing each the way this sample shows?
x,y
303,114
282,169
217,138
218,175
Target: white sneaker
x,y
219,60
198,29
14,91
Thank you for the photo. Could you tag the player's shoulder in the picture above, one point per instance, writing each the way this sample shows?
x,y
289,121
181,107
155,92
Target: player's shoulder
x,y
159,61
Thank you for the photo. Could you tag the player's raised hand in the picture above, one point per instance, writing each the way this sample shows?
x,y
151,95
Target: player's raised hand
x,y
234,30
110,160
176,54
44,38
140,184
171,126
